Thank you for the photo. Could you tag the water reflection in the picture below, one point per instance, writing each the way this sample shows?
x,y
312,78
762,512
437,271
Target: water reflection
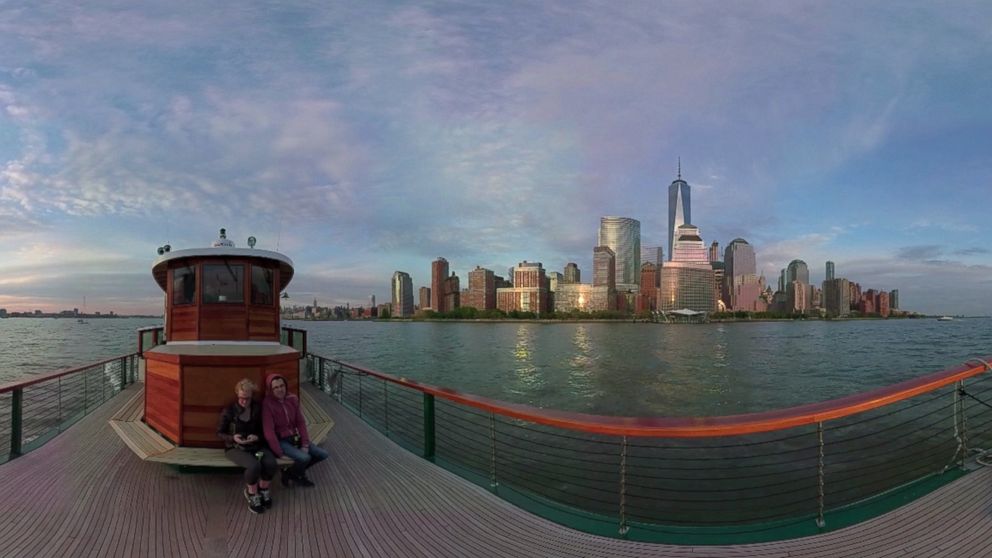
x,y
582,365
528,380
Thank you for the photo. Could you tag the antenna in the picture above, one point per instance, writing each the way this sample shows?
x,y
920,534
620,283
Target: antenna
x,y
680,168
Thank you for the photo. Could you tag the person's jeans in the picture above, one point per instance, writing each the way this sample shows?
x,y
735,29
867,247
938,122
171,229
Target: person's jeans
x,y
302,460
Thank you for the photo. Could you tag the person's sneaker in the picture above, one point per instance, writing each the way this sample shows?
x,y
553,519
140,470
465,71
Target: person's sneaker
x,y
266,497
254,502
302,480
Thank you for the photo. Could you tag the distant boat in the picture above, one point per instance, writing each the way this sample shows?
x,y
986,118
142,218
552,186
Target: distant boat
x,y
945,319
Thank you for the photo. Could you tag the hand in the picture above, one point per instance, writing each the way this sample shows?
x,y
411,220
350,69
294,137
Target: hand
x,y
251,439
239,440
305,449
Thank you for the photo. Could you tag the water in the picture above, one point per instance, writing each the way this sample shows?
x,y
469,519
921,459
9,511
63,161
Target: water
x,y
600,368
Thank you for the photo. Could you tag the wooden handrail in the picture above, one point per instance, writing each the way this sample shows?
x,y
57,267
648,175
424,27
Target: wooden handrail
x,y
11,386
698,427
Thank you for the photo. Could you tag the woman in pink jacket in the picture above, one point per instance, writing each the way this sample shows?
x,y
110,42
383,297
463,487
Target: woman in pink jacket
x,y
286,431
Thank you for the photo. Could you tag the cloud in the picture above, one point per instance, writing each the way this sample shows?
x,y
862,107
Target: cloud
x,y
920,253
973,251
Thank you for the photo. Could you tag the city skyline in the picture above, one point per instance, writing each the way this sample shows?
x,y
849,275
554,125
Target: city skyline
x,y
361,140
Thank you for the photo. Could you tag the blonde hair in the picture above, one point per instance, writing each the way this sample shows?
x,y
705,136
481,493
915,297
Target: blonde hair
x,y
245,385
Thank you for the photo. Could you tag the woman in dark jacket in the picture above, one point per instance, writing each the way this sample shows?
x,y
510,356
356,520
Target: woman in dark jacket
x,y
241,429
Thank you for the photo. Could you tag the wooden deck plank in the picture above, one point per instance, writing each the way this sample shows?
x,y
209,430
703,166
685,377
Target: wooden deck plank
x,y
86,494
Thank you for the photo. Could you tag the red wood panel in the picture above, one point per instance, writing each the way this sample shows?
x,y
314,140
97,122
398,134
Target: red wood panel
x,y
162,400
263,323
182,322
223,322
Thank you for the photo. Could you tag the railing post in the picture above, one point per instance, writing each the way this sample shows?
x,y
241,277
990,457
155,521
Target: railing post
x,y
820,521
16,408
123,373
385,405
60,404
624,528
320,373
360,395
429,441
493,482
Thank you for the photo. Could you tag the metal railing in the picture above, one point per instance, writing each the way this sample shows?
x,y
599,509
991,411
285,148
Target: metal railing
x,y
149,338
34,410
706,480
295,338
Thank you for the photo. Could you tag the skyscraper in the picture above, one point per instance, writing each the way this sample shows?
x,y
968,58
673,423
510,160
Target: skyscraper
x,y
529,292
797,271
830,271
402,294
439,274
425,298
742,287
623,236
678,208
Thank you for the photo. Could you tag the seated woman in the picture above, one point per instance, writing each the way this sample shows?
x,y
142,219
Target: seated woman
x,y
286,431
241,429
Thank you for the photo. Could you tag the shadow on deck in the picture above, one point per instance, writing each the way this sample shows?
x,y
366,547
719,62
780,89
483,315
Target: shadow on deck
x,y
86,493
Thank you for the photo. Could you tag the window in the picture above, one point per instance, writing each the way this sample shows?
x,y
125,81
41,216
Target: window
x,y
183,285
261,285
223,283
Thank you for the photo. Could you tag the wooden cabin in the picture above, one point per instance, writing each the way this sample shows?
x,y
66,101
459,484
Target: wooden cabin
x,y
222,325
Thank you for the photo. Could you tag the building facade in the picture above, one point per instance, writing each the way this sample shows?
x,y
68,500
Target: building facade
x,y
689,246
652,254
402,289
604,267
686,285
583,297
829,276
623,236
452,293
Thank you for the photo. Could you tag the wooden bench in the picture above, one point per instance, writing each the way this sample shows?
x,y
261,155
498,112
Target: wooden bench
x,y
149,445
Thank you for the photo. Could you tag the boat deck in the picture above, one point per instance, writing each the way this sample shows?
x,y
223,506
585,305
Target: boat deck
x,y
86,494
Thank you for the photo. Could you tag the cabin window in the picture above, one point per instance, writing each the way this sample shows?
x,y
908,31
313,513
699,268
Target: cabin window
x,y
261,285
223,283
183,285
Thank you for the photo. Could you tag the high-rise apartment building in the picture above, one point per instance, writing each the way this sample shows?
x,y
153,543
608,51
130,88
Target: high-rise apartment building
x,y
678,209
402,289
555,279
623,236
604,268
837,297
439,274
797,294
830,272
481,289
571,275
894,299
425,298
583,297
529,292
452,293
714,251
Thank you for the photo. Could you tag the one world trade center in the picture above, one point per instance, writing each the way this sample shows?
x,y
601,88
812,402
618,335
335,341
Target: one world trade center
x,y
678,208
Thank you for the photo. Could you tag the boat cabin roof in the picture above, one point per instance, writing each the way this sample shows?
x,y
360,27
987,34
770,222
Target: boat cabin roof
x,y
161,266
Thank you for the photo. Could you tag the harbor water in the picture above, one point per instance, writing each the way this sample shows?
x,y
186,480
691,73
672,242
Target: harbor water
x,y
602,368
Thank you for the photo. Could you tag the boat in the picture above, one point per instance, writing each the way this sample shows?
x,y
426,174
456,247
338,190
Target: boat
x,y
125,463
945,319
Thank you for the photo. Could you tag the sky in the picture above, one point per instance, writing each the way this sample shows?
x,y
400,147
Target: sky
x,y
361,138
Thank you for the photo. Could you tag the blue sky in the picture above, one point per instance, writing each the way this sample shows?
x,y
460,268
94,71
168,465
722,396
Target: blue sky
x,y
363,138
